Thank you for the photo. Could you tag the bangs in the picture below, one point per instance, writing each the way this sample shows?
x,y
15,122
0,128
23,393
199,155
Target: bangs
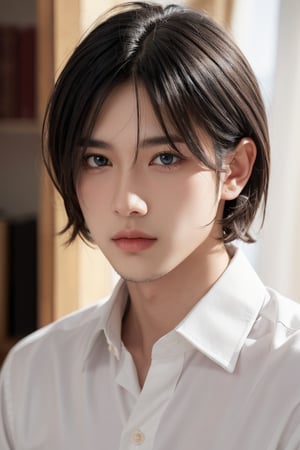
x,y
175,117
183,88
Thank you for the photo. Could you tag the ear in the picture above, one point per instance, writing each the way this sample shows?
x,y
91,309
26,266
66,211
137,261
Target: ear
x,y
238,168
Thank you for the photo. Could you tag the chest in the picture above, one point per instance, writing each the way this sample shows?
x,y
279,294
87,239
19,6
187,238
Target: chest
x,y
186,402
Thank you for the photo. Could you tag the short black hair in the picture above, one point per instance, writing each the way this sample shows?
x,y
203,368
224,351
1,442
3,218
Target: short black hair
x,y
195,75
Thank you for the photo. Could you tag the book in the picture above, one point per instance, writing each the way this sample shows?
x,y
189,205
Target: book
x,y
26,80
8,71
17,71
3,277
22,289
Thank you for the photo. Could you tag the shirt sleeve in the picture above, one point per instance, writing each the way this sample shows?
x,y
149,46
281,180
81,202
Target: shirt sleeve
x,y
5,413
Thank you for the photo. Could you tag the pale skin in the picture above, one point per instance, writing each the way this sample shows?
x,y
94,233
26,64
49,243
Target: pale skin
x,y
172,199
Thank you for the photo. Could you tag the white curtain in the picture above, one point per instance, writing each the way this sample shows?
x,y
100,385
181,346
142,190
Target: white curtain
x,y
278,259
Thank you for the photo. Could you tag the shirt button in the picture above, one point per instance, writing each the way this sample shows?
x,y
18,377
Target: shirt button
x,y
111,349
137,437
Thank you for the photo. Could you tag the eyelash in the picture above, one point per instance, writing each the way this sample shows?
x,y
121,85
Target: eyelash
x,y
90,160
178,158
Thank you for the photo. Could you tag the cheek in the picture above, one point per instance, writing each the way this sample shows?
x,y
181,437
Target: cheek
x,y
191,196
90,195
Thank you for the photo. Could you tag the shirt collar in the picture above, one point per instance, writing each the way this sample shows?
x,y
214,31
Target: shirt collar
x,y
109,313
217,326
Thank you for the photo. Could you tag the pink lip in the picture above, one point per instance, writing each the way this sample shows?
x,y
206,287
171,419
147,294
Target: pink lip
x,y
133,240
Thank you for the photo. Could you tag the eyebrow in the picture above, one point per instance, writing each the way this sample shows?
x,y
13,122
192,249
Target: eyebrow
x,y
161,140
145,143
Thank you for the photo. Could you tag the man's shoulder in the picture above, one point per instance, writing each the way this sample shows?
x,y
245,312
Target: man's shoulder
x,y
67,335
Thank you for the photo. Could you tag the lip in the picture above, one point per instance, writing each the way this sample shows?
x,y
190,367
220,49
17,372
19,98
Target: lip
x,y
131,234
133,241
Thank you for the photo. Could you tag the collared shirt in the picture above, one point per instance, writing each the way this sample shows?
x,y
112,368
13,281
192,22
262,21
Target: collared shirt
x,y
226,378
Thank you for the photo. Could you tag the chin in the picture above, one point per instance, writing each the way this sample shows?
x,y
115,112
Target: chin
x,y
145,272
145,279
141,278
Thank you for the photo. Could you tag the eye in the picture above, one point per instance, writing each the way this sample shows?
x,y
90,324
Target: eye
x,y
166,159
96,160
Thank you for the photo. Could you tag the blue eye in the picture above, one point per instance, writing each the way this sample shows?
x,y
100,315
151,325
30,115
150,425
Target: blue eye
x,y
96,161
166,159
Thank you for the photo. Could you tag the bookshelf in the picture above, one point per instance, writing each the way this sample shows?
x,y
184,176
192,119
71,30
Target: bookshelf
x,y
19,162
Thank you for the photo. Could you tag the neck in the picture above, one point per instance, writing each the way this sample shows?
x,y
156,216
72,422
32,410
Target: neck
x,y
156,307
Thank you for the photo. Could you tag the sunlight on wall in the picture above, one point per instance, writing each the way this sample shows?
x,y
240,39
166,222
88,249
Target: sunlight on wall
x,y
268,31
255,30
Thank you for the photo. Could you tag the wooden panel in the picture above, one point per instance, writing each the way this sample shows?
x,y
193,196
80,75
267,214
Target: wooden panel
x,y
220,10
66,21
45,81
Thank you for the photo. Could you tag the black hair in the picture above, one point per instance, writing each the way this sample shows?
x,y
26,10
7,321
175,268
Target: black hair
x,y
195,76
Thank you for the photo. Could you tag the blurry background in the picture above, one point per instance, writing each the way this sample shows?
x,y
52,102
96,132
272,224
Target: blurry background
x,y
40,279
268,32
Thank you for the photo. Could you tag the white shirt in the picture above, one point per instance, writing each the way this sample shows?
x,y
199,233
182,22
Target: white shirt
x,y
226,378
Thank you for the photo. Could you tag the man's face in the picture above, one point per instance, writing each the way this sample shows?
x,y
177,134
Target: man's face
x,y
148,214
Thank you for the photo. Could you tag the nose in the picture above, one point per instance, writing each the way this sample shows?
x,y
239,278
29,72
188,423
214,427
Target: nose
x,y
127,200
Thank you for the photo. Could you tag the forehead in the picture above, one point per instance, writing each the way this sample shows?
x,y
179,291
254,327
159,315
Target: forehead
x,y
128,110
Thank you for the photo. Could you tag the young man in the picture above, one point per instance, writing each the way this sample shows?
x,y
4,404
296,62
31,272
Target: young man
x,y
156,138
